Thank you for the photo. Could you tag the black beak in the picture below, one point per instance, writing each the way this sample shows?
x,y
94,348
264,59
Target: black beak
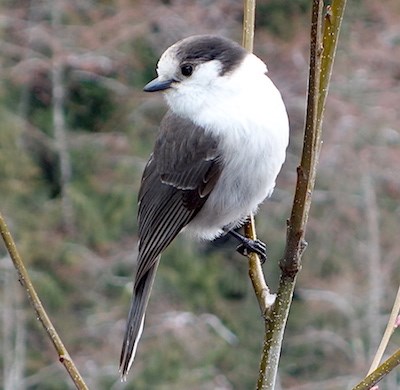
x,y
157,85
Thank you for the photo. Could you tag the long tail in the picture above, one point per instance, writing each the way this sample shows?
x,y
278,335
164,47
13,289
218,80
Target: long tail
x,y
134,327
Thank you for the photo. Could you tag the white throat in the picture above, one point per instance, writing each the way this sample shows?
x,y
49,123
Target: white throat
x,y
209,93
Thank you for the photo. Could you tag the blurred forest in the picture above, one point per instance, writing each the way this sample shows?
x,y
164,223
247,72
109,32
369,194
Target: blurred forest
x,y
76,130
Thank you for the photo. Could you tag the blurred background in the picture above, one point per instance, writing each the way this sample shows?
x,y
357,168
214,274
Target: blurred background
x,y
76,131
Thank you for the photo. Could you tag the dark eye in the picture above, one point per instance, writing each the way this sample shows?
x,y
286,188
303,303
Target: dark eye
x,y
187,70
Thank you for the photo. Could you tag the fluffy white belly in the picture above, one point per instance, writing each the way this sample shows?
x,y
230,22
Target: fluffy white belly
x,y
251,122
251,165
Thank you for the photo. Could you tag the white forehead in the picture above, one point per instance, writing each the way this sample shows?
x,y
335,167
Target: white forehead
x,y
168,63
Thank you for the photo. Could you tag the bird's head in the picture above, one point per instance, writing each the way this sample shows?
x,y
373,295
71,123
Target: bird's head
x,y
191,69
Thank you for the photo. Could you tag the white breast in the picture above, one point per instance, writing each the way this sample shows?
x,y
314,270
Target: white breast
x,y
246,111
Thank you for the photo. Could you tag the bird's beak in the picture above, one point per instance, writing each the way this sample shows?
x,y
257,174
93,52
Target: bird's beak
x,y
157,85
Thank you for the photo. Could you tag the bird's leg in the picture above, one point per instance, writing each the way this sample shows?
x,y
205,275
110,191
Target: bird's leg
x,y
248,245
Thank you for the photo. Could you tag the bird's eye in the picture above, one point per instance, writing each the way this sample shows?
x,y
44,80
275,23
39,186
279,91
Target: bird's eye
x,y
187,70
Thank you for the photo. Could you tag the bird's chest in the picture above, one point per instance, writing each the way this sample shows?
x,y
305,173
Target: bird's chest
x,y
252,146
250,162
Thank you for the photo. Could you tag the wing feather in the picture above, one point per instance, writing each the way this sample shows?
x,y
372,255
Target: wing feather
x,y
177,180
179,176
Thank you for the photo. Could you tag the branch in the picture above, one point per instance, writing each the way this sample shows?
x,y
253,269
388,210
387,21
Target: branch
x,y
290,264
391,326
249,8
384,369
263,294
26,283
322,54
375,373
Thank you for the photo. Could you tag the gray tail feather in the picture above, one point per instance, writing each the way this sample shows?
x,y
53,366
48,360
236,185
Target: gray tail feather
x,y
135,322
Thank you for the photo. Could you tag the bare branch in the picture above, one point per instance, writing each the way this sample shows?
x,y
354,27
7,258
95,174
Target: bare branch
x,y
387,366
322,53
264,297
249,7
26,283
391,326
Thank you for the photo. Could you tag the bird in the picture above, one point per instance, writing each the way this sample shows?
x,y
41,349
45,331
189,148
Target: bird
x,y
216,158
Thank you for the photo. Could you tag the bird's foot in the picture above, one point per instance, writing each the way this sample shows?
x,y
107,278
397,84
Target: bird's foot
x,y
247,245
255,246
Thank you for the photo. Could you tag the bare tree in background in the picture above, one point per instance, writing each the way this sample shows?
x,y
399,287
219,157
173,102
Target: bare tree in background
x,y
13,329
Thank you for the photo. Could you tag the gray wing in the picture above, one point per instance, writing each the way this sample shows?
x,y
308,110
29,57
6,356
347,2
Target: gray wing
x,y
176,182
179,176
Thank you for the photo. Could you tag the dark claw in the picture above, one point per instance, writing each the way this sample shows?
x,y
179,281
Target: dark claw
x,y
248,245
255,246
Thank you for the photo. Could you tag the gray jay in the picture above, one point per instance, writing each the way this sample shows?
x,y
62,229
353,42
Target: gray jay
x,y
220,148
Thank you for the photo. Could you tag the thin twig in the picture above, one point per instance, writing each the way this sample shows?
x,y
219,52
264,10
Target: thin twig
x,y
321,62
26,283
322,54
391,326
385,368
290,264
249,8
263,294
